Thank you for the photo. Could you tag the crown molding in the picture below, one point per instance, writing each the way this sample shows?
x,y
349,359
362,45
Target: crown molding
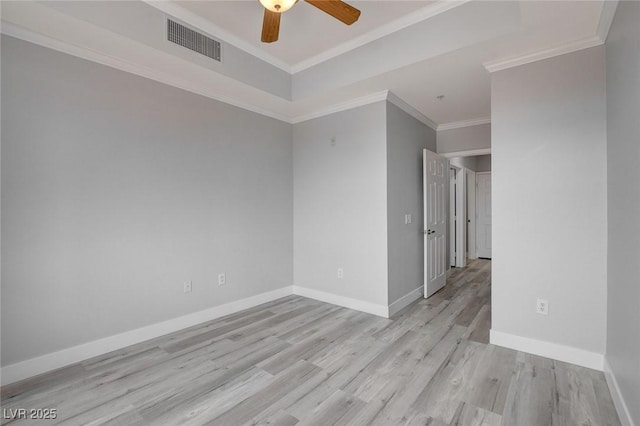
x,y
394,99
142,71
171,80
384,95
562,49
188,17
467,153
420,15
606,18
604,25
464,123
343,106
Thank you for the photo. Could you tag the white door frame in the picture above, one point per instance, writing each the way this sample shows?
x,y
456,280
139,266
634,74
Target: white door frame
x,y
460,260
477,228
452,216
472,252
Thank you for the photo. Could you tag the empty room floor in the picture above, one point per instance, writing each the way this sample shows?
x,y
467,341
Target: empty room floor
x,y
300,361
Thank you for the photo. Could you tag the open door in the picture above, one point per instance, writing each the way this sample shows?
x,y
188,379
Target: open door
x,y
435,172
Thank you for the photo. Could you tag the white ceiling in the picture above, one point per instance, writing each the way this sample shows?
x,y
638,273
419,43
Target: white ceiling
x,y
415,49
305,31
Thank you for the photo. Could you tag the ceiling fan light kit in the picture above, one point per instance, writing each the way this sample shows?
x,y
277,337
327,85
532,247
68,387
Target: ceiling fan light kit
x,y
274,8
278,5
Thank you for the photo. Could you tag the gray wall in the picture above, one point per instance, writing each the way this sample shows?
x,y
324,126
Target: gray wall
x,y
476,163
406,138
469,162
340,203
483,163
464,138
549,199
623,190
116,189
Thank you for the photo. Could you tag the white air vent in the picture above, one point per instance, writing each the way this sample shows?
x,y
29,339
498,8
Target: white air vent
x,y
193,40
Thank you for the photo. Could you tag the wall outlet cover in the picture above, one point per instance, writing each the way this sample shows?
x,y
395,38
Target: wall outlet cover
x,y
542,307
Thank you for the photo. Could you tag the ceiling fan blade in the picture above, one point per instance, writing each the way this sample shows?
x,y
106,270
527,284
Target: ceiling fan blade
x,y
338,9
270,26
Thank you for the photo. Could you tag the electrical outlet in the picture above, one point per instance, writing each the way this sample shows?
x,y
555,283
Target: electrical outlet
x,y
542,307
187,286
340,273
222,279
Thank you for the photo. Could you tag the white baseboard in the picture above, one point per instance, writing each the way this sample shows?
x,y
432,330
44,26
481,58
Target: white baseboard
x,y
42,364
616,395
52,361
347,302
405,301
546,349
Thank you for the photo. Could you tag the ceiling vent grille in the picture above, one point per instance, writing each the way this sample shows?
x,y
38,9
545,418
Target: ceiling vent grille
x,y
193,40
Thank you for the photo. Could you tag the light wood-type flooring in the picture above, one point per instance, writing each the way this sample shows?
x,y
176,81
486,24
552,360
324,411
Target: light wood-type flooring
x,y
300,361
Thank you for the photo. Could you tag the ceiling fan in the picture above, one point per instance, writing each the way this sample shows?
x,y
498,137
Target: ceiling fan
x,y
274,8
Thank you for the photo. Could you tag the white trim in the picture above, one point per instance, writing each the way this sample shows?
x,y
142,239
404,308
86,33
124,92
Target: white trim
x,y
406,300
502,64
616,395
606,18
347,302
471,210
468,153
460,258
464,123
413,18
136,69
173,9
546,349
34,366
366,100
354,103
394,99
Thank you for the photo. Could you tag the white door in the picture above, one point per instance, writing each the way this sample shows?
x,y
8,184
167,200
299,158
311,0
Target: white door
x,y
435,170
453,235
471,214
483,214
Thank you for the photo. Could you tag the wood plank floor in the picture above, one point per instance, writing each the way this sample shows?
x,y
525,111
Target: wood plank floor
x,y
299,361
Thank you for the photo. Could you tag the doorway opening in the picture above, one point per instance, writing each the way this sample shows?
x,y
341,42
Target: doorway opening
x,y
469,224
